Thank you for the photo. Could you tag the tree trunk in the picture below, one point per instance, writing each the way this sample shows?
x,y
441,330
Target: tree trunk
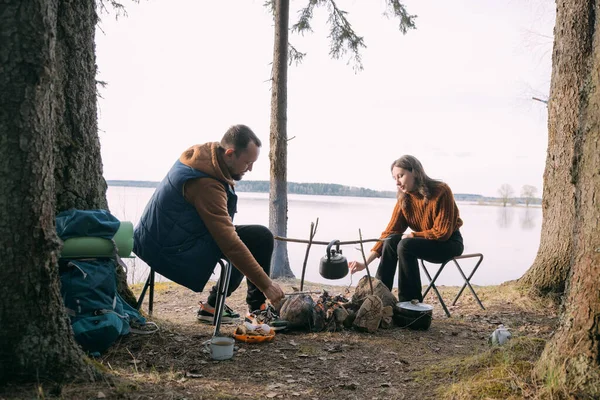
x,y
77,159
550,269
78,163
34,330
278,204
572,357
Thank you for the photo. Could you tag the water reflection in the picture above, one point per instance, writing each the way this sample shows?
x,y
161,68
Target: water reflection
x,y
528,218
505,217
510,247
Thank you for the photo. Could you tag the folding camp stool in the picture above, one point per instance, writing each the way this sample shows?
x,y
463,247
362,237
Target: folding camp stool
x,y
466,279
222,285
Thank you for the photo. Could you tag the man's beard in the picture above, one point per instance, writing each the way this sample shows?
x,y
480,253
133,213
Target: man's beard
x,y
237,177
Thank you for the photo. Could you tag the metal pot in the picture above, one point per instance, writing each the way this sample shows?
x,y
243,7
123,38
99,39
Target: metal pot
x,y
333,265
413,316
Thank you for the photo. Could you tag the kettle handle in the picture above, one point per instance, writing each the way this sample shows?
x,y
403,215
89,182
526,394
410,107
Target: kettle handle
x,y
334,241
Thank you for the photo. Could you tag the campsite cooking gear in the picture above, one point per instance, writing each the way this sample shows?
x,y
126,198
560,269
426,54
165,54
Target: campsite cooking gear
x,y
305,292
333,265
220,347
500,336
413,316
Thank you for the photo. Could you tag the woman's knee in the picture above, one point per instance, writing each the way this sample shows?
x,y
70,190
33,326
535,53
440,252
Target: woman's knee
x,y
404,246
390,243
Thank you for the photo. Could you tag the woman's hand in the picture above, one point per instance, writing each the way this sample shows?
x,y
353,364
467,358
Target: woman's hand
x,y
356,266
408,235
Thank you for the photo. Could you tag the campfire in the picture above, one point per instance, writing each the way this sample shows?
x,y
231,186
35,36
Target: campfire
x,y
332,313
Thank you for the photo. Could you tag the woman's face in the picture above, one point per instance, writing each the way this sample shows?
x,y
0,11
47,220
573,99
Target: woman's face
x,y
405,181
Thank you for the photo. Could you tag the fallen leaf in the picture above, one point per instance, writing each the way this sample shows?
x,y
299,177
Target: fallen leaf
x,y
100,395
271,395
350,386
274,386
293,343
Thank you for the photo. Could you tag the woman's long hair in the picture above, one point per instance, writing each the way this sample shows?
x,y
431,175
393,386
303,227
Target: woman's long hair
x,y
424,185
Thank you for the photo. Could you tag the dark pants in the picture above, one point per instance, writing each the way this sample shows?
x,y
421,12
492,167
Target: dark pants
x,y
259,241
405,253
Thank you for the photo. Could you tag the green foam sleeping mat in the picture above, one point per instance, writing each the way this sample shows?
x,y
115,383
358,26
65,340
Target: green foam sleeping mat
x,y
91,247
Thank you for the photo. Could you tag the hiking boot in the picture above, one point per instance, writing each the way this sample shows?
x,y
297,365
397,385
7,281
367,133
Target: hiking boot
x,y
206,314
266,314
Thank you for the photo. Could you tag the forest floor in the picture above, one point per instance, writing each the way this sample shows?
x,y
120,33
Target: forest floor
x,y
452,359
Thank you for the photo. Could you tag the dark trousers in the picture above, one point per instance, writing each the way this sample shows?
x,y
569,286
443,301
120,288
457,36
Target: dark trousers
x,y
259,241
405,254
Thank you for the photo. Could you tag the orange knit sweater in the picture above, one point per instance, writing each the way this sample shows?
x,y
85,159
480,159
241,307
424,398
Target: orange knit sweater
x,y
435,219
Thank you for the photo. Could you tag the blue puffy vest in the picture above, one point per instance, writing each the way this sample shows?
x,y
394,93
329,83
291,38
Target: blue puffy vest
x,y
172,238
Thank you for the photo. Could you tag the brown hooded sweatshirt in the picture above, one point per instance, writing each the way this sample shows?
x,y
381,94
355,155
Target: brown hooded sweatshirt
x,y
209,198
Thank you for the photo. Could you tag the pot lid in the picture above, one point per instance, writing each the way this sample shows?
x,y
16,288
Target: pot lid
x,y
407,305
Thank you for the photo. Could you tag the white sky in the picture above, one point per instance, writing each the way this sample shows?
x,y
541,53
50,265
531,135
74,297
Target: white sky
x,y
456,92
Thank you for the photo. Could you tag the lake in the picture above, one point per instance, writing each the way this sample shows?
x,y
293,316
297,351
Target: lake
x,y
508,237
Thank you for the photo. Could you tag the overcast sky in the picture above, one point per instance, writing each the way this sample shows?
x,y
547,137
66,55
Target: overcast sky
x,y
456,92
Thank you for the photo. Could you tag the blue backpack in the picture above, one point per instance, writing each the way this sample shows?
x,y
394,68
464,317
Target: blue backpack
x,y
97,313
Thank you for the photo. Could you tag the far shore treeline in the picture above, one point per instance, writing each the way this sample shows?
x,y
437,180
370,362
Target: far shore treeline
x,y
327,189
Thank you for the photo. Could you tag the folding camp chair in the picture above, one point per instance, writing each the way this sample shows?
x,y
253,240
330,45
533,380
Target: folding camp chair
x,y
467,279
222,285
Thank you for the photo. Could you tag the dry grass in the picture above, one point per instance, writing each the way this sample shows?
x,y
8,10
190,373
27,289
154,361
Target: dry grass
x,y
498,373
451,360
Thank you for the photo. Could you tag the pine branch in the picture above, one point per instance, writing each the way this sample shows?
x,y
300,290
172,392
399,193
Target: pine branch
x,y
294,56
398,10
343,37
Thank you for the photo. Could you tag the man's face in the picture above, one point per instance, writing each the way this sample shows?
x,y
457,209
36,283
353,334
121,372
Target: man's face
x,y
238,166
405,180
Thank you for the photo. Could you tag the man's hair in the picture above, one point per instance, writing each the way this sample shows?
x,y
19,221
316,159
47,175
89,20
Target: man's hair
x,y
238,137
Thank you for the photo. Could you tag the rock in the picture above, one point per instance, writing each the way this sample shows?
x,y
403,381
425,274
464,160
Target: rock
x,y
369,314
339,316
299,312
363,290
387,314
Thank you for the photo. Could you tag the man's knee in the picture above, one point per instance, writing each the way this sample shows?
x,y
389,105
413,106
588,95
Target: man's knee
x,y
265,234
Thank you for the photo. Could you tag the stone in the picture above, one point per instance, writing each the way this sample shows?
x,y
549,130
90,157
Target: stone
x,y
369,314
299,312
363,290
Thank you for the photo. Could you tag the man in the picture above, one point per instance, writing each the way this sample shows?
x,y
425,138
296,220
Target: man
x,y
187,225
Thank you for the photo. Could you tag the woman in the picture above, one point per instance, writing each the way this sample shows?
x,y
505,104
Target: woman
x,y
427,207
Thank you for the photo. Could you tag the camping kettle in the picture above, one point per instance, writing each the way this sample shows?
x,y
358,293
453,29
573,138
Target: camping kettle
x,y
333,265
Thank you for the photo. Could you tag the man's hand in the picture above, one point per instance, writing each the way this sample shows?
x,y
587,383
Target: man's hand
x,y
274,294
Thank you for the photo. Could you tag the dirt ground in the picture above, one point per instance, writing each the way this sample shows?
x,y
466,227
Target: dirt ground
x,y
173,364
